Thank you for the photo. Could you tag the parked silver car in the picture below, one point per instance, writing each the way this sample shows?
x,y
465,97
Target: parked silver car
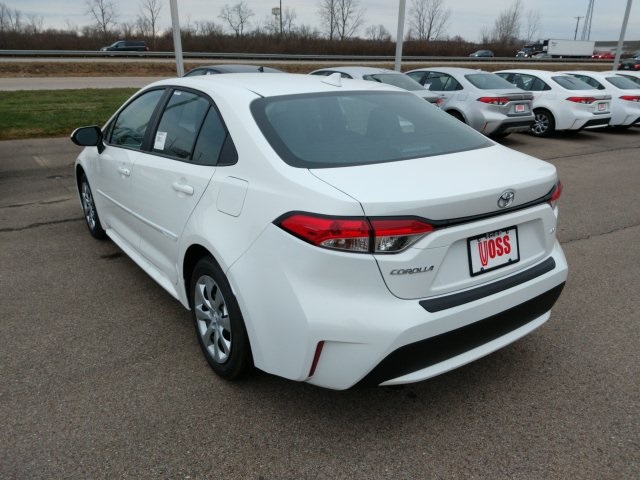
x,y
481,99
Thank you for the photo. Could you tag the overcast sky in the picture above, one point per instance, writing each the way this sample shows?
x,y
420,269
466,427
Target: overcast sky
x,y
468,17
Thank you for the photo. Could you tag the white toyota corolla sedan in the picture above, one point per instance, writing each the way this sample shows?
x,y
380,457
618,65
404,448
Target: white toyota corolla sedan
x,y
560,101
325,230
625,95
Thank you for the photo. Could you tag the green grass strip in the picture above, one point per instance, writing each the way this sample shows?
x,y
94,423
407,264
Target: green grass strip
x,y
54,113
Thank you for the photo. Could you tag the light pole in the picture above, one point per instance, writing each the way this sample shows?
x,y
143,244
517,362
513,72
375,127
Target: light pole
x,y
277,12
575,35
400,35
616,62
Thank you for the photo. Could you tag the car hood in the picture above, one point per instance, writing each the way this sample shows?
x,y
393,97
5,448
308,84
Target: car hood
x,y
444,187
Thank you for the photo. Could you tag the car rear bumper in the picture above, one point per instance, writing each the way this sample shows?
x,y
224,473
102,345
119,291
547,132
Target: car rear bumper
x,y
339,300
513,127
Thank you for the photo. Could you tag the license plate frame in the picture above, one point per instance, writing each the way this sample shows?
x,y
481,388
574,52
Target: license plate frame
x,y
520,108
483,250
602,107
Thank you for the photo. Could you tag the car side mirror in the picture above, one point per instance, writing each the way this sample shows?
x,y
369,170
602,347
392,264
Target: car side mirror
x,y
88,137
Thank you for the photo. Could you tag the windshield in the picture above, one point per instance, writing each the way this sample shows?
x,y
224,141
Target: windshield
x,y
488,81
571,83
622,83
395,79
358,128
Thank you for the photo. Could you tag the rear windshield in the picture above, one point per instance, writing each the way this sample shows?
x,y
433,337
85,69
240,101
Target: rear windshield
x,y
488,81
396,79
571,83
329,130
623,83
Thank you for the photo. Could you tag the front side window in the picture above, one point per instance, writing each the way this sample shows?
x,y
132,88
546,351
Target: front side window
x,y
180,124
357,128
130,126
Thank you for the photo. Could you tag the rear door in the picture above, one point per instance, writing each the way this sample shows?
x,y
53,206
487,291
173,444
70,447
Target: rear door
x,y
169,181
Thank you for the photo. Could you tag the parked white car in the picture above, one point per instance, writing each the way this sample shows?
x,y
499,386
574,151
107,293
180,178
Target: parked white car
x,y
383,75
483,100
625,95
330,231
560,101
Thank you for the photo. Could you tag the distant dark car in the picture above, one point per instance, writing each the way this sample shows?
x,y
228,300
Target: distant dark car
x,y
630,64
230,68
482,53
126,46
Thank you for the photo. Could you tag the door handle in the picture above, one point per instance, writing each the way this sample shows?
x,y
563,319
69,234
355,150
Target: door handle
x,y
182,188
124,171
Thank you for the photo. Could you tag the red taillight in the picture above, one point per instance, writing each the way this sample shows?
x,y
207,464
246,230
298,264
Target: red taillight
x,y
388,235
556,193
585,100
494,100
630,98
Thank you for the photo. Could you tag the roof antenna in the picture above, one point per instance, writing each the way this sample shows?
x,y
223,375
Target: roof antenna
x,y
334,79
261,68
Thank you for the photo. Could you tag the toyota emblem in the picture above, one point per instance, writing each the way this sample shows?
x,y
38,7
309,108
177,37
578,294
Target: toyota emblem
x,y
506,198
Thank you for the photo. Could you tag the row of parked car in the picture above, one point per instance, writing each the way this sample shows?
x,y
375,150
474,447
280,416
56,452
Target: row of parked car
x,y
496,104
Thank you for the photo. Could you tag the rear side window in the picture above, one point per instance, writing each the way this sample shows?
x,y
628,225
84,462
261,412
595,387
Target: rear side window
x,y
441,82
210,141
131,124
357,128
590,81
487,81
180,124
571,83
622,83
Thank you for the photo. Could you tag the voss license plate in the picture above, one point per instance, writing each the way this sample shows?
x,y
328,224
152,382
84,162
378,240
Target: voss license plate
x,y
493,250
520,108
602,107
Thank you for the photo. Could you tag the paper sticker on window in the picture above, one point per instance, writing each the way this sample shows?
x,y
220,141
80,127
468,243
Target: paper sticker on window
x,y
161,137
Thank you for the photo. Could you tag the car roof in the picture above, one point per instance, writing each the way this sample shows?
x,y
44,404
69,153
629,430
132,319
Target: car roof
x,y
356,70
451,70
273,85
590,72
237,68
532,71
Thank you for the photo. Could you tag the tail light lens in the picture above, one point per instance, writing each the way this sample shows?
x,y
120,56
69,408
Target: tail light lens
x,y
555,194
494,100
586,100
359,235
630,98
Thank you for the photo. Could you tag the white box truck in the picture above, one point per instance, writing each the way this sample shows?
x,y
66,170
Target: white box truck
x,y
568,48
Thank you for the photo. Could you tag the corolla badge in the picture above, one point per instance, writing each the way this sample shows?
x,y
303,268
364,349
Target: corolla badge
x,y
506,198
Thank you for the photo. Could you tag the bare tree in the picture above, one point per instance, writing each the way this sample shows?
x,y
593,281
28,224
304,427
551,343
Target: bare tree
x,y
327,11
532,25
428,19
10,20
148,18
506,28
35,24
237,17
341,18
378,33
103,14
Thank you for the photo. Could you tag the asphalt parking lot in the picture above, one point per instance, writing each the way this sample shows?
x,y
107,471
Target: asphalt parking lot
x,y
102,376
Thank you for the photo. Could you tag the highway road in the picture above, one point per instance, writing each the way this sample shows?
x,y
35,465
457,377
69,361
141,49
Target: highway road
x,y
102,376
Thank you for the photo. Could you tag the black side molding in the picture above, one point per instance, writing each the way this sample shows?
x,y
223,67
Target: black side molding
x,y
442,303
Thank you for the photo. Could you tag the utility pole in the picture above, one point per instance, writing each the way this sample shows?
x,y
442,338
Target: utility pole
x,y
575,35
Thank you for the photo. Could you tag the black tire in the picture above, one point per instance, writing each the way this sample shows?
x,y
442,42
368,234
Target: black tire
x,y
218,321
91,217
544,124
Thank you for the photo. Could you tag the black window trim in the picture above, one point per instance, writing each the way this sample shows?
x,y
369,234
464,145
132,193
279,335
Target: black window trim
x,y
154,122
